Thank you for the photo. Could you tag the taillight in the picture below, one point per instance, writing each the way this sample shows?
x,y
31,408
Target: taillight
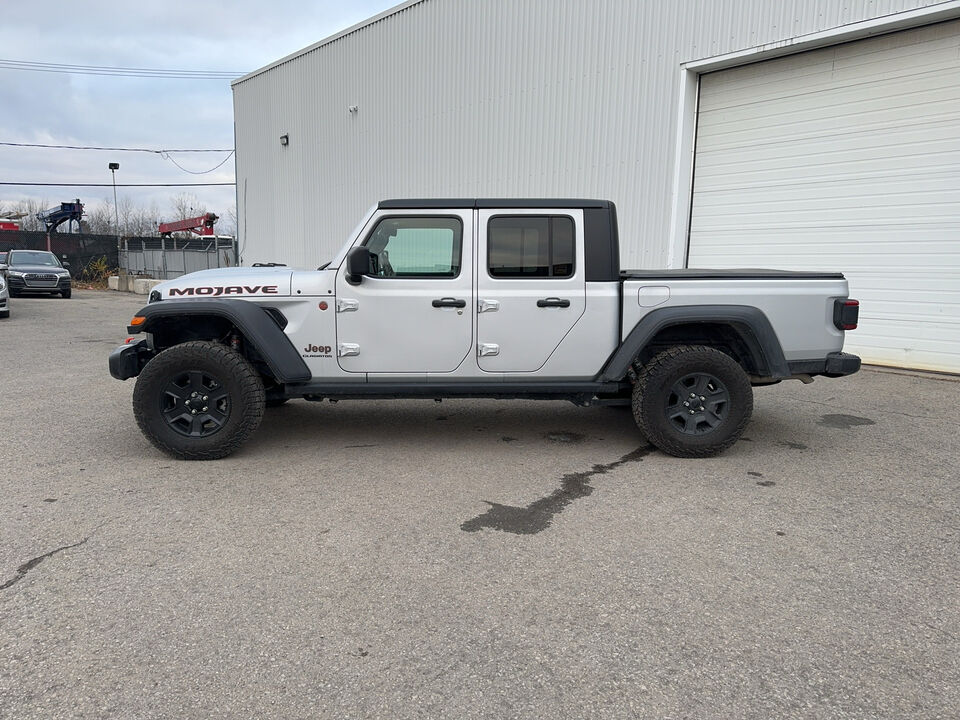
x,y
846,313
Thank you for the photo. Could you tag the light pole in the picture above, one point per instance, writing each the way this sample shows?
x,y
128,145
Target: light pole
x,y
116,213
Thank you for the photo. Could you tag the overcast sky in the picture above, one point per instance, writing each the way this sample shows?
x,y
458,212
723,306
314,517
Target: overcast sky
x,y
40,107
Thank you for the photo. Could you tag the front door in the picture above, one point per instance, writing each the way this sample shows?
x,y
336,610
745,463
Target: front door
x,y
414,312
531,287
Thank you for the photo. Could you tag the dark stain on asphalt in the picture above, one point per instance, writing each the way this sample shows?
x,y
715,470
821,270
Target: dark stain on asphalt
x,y
781,533
844,422
32,563
792,445
359,446
562,436
766,483
507,438
442,417
755,474
538,515
746,439
49,499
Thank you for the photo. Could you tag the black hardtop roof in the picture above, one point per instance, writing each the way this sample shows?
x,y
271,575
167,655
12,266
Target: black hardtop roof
x,y
533,203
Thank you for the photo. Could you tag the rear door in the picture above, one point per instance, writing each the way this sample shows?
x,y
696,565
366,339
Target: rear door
x,y
531,287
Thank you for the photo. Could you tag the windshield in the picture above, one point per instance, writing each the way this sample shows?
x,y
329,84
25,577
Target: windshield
x,y
33,257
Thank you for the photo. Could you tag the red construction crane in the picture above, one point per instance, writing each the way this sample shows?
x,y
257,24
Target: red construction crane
x,y
202,225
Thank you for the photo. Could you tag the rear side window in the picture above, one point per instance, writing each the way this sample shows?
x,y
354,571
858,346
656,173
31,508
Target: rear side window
x,y
424,247
530,246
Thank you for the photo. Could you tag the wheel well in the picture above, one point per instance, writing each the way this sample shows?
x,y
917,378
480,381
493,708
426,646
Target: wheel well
x,y
170,331
737,342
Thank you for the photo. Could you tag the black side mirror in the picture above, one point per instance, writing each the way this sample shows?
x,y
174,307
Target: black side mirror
x,y
65,264
358,265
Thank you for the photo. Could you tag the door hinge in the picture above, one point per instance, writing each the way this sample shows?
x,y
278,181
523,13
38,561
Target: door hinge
x,y
487,349
345,349
487,306
347,305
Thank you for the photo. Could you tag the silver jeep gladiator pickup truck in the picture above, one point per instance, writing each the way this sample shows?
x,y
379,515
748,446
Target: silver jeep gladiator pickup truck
x,y
480,298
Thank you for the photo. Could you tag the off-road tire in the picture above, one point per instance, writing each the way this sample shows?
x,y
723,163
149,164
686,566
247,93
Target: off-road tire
x,y
65,294
706,433
233,374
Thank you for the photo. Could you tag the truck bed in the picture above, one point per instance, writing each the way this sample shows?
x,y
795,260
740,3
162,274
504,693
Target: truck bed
x,y
731,274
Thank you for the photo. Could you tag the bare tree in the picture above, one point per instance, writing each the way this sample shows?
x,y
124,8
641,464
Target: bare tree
x,y
30,208
228,222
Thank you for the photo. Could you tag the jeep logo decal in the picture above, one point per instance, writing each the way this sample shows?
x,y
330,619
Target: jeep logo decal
x,y
317,351
226,290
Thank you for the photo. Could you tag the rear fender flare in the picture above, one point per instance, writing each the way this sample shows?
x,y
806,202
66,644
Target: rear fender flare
x,y
750,324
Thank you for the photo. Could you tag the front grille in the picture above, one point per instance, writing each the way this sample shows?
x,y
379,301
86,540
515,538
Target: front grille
x,y
41,280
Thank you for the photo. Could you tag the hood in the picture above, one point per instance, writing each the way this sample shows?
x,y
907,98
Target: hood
x,y
232,282
56,269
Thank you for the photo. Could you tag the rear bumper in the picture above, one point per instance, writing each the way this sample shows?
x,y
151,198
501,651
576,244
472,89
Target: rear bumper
x,y
128,360
835,364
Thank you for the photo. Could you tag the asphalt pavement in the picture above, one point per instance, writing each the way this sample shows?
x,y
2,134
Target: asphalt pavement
x,y
470,559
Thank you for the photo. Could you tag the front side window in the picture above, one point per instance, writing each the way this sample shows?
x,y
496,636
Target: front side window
x,y
424,247
530,246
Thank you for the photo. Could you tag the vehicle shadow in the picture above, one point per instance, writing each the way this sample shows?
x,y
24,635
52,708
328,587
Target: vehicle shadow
x,y
384,423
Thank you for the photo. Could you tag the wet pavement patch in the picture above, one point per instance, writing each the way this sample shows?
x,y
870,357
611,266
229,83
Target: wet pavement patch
x,y
538,515
844,422
565,437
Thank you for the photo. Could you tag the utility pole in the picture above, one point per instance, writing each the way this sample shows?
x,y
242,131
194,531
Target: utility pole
x,y
116,213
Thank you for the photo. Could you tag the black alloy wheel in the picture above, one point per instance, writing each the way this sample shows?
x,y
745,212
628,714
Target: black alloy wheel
x,y
692,401
195,404
698,403
199,400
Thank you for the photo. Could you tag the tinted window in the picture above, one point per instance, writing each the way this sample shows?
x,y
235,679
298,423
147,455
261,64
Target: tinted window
x,y
416,247
530,246
33,257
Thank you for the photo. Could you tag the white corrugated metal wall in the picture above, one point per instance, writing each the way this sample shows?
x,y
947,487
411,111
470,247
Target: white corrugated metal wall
x,y
493,98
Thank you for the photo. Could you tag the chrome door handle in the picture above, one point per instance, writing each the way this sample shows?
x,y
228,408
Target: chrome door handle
x,y
553,302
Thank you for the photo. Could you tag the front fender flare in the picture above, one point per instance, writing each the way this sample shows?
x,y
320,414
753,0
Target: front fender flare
x,y
253,321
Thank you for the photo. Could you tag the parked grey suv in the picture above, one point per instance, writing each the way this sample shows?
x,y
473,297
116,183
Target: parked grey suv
x,y
36,271
4,298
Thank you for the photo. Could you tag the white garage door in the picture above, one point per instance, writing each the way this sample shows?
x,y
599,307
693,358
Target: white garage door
x,y
845,158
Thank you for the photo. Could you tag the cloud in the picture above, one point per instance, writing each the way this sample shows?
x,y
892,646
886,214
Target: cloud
x,y
141,112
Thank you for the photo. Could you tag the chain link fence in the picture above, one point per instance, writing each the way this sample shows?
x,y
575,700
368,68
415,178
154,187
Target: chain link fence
x,y
161,258
166,258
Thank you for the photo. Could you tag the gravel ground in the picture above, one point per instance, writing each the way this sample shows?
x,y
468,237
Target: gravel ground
x,y
473,559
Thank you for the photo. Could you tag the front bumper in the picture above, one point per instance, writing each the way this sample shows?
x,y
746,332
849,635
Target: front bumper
x,y
128,360
19,284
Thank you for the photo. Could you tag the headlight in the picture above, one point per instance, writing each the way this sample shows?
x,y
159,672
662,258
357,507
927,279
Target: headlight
x,y
14,273
2,284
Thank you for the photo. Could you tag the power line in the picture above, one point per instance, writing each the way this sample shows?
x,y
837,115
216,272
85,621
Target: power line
x,y
114,149
196,172
50,184
117,71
